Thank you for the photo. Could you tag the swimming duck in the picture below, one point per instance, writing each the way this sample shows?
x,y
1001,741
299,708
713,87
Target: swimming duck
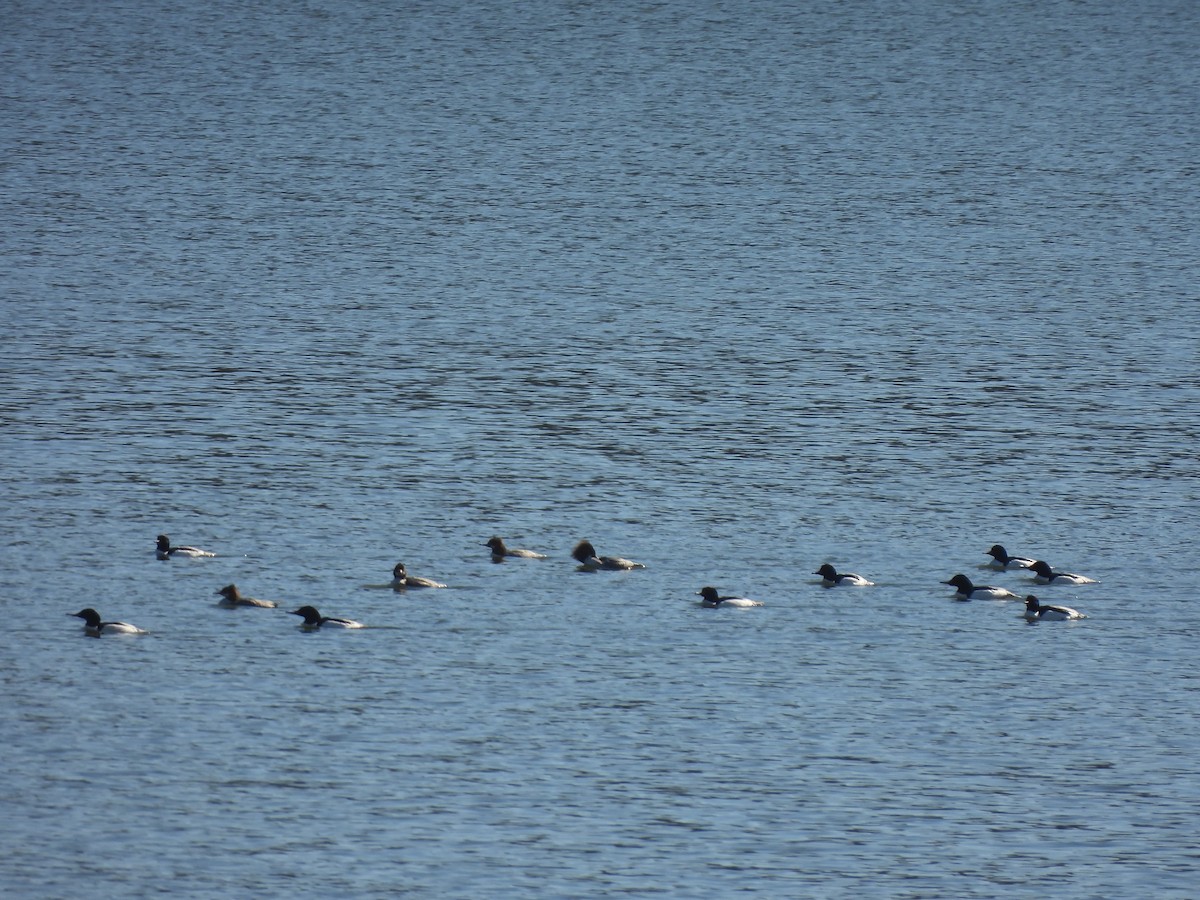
x,y
94,627
712,600
1043,574
314,620
585,554
1036,612
499,551
232,597
164,550
831,578
401,580
1001,559
969,591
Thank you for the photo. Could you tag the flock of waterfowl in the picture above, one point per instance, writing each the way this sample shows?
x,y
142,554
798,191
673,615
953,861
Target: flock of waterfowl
x,y
1035,610
965,589
590,561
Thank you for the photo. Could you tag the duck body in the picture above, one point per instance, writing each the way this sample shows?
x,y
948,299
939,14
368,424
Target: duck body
x,y
967,590
500,551
712,599
95,626
314,620
231,598
164,550
1002,560
402,580
589,561
1043,574
1037,612
830,577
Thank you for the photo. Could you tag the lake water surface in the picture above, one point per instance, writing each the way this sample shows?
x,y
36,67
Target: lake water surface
x,y
733,289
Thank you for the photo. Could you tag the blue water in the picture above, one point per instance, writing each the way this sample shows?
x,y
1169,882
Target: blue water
x,y
733,289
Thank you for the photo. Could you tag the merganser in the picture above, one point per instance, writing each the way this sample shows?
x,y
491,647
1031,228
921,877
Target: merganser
x,y
1043,574
94,627
314,620
712,600
401,580
585,554
969,591
233,598
1035,611
1001,559
164,550
499,551
831,578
